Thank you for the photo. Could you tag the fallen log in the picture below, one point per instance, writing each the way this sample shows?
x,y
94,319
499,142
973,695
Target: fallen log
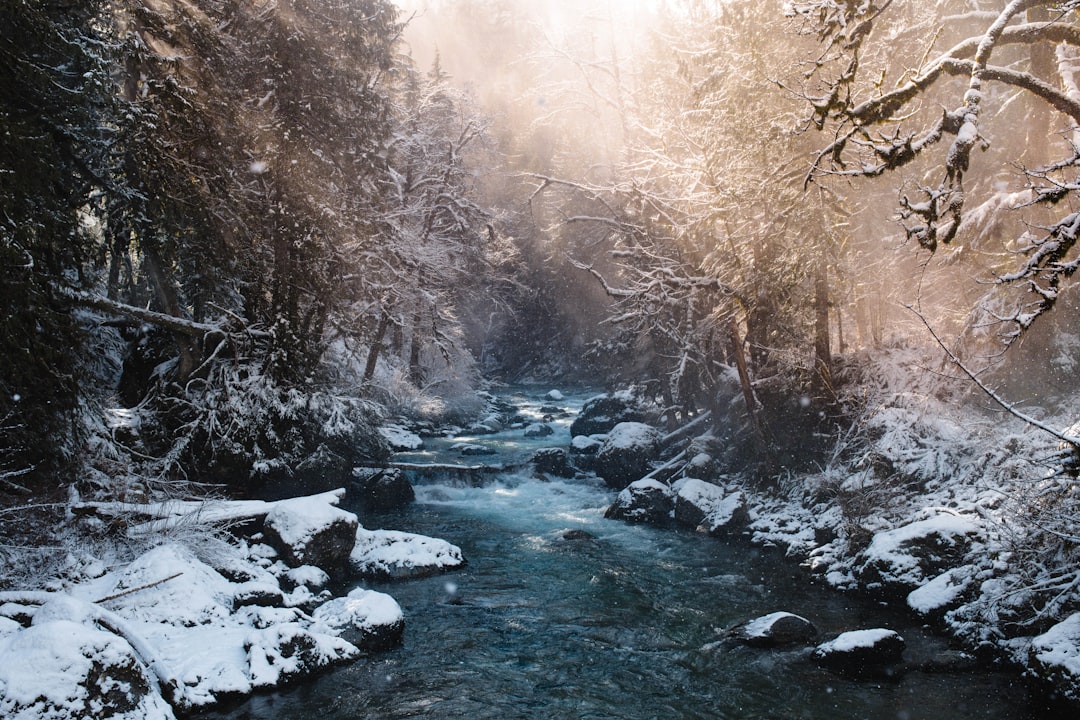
x,y
161,516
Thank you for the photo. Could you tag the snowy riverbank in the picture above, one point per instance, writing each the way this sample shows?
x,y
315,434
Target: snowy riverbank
x,y
188,625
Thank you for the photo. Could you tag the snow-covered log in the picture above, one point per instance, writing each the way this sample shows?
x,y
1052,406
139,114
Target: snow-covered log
x,y
168,514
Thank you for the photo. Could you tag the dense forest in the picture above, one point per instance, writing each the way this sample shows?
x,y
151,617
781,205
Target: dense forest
x,y
237,237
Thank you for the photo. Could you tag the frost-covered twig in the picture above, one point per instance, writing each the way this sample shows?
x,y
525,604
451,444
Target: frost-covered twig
x,y
131,591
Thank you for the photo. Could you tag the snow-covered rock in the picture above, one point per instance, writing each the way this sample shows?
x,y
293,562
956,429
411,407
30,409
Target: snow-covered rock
x,y
553,461
471,449
287,651
942,593
538,430
707,507
381,488
861,652
62,669
555,396
643,501
899,560
625,454
778,628
1055,658
375,617
309,531
586,444
401,439
398,555
602,413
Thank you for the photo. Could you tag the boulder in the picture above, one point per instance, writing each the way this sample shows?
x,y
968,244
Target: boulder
x,y
602,413
310,531
553,461
538,430
644,501
707,507
63,670
900,560
1054,658
393,555
471,449
862,652
289,651
381,488
400,438
374,617
625,455
778,628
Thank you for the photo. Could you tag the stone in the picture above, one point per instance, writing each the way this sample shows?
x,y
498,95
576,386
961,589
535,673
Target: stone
x,y
602,413
370,620
775,629
381,489
64,670
644,501
553,461
1054,659
537,430
873,652
307,531
900,560
394,555
625,455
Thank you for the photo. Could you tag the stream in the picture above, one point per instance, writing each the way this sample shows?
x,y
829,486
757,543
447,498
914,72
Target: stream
x,y
624,622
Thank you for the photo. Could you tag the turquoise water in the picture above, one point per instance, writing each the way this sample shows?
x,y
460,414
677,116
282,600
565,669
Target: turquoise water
x,y
623,624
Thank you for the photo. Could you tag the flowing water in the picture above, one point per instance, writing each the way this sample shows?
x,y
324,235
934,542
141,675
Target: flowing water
x,y
624,622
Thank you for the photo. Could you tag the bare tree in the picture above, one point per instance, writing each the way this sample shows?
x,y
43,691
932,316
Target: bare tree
x,y
914,91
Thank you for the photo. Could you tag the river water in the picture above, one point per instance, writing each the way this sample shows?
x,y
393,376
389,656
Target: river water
x,y
625,623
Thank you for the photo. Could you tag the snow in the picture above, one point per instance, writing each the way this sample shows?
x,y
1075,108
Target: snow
x,y
297,521
941,592
41,668
398,554
1059,647
555,395
887,547
307,575
401,439
361,609
856,639
628,435
759,628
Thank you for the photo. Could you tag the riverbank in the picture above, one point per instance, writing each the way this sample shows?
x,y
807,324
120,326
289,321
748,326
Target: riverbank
x,y
930,502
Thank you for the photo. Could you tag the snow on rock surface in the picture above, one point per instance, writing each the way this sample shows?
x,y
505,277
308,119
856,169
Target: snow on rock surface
x,y
289,650
376,616
905,556
401,439
861,652
708,507
310,531
625,454
60,669
644,501
1055,657
778,628
397,555
941,593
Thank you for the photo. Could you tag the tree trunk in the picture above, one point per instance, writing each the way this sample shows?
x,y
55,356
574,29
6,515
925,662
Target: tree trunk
x,y
376,346
165,292
822,340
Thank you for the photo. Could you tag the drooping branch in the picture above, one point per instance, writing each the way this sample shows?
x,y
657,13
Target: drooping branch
x,y
1008,407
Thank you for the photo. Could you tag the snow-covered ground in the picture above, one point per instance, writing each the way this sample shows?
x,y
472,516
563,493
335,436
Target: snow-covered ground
x,y
174,631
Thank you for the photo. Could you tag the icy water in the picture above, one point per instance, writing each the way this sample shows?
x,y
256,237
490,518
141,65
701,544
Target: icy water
x,y
623,624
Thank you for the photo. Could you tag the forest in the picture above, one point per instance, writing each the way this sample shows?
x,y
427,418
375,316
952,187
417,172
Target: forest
x,y
239,238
